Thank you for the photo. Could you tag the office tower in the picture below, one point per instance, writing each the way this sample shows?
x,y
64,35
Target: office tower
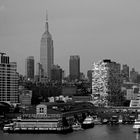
x,y
8,80
74,67
29,68
46,52
125,73
133,76
56,73
89,76
106,81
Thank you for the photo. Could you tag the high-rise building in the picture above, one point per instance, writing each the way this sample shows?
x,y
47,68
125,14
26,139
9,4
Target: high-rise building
x,y
56,73
106,81
8,80
125,73
74,67
46,52
89,76
133,76
29,68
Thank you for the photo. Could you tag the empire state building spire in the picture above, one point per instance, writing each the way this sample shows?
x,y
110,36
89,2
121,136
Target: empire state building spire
x,y
47,25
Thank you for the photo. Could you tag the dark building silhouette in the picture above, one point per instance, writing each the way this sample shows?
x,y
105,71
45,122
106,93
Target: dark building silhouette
x,y
89,76
74,67
125,73
56,73
133,76
29,68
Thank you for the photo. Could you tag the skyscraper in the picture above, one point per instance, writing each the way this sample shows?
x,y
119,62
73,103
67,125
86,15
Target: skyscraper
x,y
74,67
133,76
46,52
125,73
106,81
56,73
8,80
29,68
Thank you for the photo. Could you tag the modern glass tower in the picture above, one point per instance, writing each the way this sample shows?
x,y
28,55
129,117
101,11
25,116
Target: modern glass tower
x,y
8,80
46,52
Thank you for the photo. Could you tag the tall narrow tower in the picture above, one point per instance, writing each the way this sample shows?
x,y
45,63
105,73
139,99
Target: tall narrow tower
x,y
29,67
74,67
46,51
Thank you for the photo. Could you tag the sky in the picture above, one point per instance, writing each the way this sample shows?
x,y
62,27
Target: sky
x,y
92,29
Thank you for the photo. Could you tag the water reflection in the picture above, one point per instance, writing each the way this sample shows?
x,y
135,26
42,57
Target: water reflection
x,y
137,136
99,132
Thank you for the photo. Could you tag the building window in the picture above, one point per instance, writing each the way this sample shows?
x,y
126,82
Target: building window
x,y
41,110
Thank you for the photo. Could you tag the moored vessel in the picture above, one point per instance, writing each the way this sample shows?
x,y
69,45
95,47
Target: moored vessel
x,y
36,126
136,126
76,126
88,122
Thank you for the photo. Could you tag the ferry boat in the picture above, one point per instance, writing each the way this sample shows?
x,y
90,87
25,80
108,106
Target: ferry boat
x,y
88,122
36,126
8,127
136,126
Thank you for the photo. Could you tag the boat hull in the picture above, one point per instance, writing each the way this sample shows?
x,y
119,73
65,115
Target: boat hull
x,y
86,126
39,130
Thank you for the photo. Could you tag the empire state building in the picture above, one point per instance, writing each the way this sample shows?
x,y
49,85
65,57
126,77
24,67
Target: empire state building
x,y
46,52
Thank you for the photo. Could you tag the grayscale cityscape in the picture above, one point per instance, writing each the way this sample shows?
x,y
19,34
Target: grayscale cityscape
x,y
70,70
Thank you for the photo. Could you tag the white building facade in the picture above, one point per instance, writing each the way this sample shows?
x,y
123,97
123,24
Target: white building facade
x,y
8,81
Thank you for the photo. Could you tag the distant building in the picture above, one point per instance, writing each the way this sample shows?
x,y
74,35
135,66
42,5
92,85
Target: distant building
x,y
125,73
74,67
25,97
89,76
56,73
39,72
106,81
29,68
69,90
135,97
81,98
46,52
8,80
133,76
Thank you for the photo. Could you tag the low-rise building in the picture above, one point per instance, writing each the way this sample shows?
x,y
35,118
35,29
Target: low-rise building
x,y
25,97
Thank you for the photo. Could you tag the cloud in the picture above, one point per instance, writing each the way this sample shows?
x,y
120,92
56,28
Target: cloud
x,y
2,8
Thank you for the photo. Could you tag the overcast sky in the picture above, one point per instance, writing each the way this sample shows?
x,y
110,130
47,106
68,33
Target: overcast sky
x,y
93,29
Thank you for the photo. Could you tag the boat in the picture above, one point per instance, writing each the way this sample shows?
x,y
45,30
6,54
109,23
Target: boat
x,y
76,126
97,120
88,122
136,126
131,119
120,119
114,120
36,126
104,121
8,127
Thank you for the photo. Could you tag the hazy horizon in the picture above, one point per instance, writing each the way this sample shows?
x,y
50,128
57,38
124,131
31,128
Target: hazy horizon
x,y
92,29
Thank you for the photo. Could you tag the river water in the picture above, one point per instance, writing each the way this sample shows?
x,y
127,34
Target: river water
x,y
99,132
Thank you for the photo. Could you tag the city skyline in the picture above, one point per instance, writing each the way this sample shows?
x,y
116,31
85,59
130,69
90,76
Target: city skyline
x,y
94,30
